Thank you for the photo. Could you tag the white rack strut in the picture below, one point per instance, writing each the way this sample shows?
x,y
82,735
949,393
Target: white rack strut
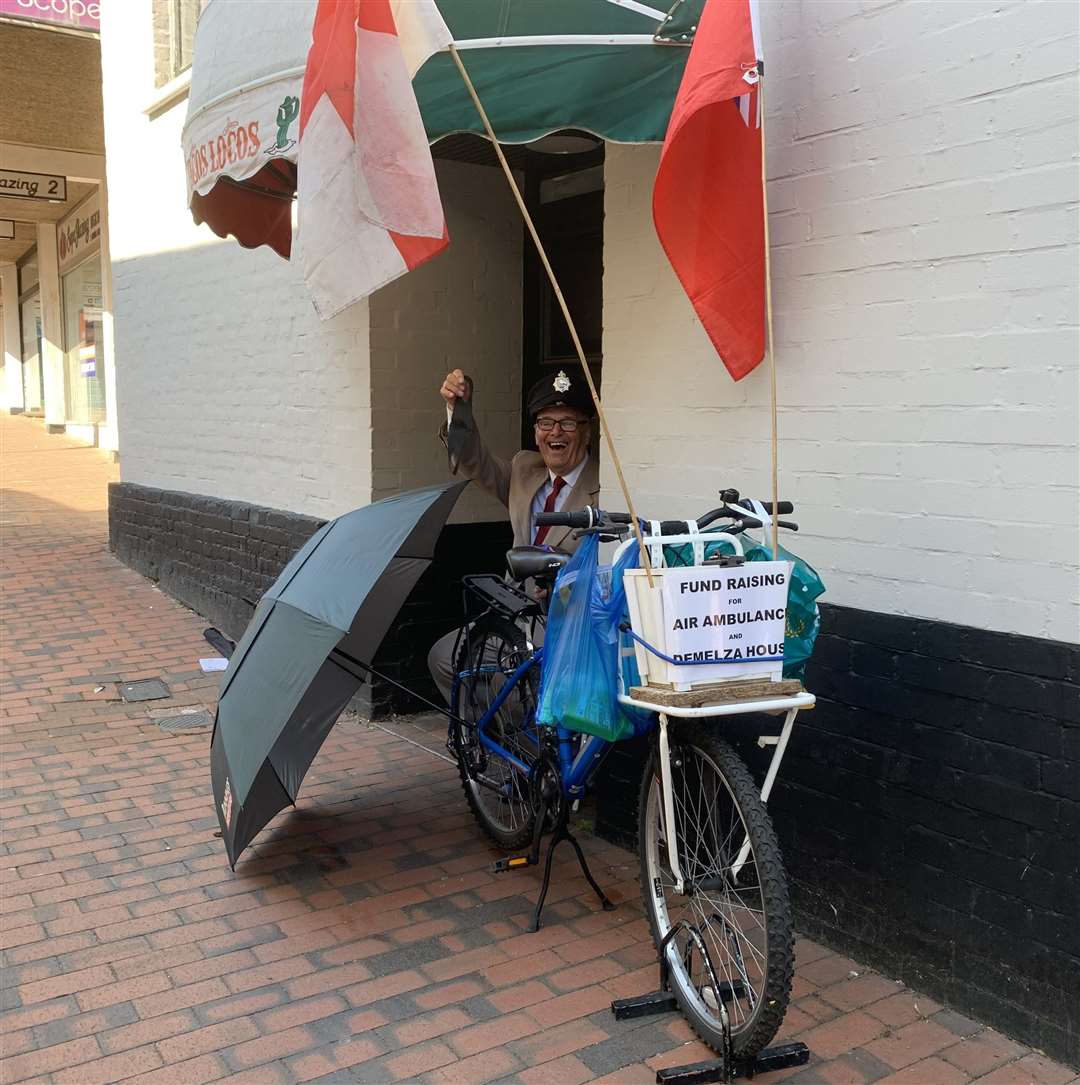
x,y
792,704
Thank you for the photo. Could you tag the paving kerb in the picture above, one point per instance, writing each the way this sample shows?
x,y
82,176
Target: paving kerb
x,y
362,938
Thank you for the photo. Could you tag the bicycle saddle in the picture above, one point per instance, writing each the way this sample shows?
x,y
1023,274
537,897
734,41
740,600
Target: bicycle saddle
x,y
544,562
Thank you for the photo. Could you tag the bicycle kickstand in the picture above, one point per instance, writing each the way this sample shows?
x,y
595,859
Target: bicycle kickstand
x,y
560,833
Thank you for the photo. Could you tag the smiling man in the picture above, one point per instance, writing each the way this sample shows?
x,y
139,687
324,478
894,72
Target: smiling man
x,y
562,476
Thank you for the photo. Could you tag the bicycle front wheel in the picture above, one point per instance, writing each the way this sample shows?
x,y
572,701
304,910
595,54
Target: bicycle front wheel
x,y
733,940
497,791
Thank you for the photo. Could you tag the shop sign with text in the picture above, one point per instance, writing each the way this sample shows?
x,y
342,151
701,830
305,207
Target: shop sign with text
x,y
235,144
33,186
73,14
79,235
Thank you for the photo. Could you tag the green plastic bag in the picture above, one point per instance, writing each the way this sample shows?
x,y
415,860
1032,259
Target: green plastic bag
x,y
803,618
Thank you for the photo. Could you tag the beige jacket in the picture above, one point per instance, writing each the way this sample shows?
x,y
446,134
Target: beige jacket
x,y
514,482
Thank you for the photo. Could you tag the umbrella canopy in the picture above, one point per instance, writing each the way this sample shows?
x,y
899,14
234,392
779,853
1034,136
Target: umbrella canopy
x,y
610,67
290,676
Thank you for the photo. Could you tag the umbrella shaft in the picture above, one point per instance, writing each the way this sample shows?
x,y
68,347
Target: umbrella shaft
x,y
337,655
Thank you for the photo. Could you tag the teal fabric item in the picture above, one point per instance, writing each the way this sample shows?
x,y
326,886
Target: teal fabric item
x,y
803,618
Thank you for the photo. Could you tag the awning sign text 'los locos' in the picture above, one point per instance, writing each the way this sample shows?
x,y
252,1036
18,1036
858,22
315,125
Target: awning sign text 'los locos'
x,y
236,143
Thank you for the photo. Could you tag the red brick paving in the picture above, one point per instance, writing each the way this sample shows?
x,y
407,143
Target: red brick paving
x,y
362,938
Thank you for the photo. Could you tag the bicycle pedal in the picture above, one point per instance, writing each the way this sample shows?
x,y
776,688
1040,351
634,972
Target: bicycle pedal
x,y
513,863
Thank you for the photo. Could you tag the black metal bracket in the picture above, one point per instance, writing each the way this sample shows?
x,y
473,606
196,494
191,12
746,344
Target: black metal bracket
x,y
496,593
729,1066
764,1062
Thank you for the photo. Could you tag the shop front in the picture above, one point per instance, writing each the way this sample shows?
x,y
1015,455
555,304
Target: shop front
x,y
55,272
79,252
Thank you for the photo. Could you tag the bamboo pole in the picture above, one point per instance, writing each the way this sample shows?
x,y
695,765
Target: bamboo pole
x,y
563,306
769,328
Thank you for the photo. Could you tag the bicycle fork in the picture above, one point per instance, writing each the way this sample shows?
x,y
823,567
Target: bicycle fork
x,y
668,796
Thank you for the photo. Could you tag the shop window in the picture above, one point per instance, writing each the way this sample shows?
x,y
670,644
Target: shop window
x,y
174,37
83,361
33,378
28,272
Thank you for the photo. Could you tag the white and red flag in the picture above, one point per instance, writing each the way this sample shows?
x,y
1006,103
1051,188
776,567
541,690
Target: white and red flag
x,y
368,203
708,198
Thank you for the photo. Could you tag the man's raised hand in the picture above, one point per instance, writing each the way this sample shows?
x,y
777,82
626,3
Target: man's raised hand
x,y
456,386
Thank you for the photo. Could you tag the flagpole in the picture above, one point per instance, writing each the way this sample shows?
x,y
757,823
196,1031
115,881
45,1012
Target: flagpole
x,y
769,322
566,313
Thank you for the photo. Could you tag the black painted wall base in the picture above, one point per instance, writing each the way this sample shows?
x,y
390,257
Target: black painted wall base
x,y
929,813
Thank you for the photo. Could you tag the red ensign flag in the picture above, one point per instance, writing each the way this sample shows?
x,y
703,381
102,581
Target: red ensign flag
x,y
708,201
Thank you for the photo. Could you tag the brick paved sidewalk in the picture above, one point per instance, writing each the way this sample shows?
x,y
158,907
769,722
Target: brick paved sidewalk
x,y
362,938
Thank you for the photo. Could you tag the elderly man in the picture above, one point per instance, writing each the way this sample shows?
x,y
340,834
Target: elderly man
x,y
562,476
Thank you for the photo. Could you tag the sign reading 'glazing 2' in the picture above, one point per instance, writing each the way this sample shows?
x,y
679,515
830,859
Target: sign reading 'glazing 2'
x,y
33,186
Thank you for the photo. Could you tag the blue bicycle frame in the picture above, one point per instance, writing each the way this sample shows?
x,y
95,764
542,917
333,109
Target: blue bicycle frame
x,y
574,768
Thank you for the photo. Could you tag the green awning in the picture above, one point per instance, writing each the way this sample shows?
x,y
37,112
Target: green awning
x,y
609,67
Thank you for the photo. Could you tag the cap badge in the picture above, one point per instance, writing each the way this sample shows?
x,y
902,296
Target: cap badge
x,y
561,383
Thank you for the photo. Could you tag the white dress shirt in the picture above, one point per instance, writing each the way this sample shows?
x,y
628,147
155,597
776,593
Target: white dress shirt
x,y
540,499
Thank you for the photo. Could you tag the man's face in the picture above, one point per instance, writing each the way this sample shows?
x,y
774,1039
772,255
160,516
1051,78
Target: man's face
x,y
561,451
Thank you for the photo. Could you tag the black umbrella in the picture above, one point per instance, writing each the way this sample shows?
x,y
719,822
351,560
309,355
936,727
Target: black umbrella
x,y
296,667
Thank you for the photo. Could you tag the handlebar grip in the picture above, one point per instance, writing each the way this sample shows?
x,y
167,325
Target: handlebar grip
x,y
582,519
782,507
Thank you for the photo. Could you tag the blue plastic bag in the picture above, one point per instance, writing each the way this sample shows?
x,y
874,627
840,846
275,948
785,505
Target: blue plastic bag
x,y
579,686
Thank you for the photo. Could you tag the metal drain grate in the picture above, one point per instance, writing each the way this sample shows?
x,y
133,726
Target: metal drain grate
x,y
196,720
146,689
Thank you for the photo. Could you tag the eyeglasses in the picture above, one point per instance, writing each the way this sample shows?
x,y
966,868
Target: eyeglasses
x,y
567,425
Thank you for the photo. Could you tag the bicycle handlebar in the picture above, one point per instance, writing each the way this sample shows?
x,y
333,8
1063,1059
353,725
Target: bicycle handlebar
x,y
590,517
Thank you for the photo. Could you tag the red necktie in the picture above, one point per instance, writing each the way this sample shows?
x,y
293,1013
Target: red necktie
x,y
557,483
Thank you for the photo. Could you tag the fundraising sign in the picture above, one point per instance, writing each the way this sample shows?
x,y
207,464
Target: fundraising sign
x,y
733,617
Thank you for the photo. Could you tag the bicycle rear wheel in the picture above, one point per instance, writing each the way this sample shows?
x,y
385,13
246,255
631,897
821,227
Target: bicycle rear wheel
x,y
735,939
498,793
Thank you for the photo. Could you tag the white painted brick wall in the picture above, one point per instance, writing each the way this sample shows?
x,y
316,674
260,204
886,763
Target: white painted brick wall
x,y
923,190
923,195
228,384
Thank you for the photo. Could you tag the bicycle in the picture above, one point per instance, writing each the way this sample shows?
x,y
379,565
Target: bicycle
x,y
712,877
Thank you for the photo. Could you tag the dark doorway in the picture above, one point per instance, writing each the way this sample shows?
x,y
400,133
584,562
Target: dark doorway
x,y
568,209
563,187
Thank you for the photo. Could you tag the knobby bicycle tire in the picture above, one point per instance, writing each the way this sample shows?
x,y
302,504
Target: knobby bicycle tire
x,y
498,644
756,955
